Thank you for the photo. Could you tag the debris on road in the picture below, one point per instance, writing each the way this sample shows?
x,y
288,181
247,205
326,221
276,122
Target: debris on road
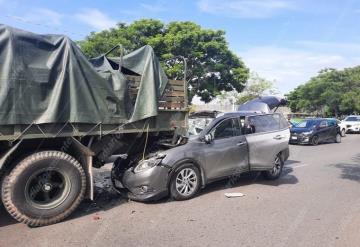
x,y
96,217
231,195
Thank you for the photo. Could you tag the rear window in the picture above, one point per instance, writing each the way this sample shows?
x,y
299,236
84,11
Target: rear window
x,y
267,123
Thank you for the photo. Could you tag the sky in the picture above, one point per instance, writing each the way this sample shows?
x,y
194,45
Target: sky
x,y
285,41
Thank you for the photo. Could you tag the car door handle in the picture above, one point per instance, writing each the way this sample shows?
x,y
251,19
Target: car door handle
x,y
240,143
279,137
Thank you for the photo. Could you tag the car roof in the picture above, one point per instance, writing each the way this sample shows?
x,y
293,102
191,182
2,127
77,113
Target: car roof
x,y
240,114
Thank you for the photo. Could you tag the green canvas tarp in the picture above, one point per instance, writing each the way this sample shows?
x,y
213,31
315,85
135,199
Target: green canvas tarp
x,y
47,79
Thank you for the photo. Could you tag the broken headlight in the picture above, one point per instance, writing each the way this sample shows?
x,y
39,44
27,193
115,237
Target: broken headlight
x,y
149,163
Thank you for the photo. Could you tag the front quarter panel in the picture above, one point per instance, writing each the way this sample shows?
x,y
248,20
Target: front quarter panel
x,y
192,152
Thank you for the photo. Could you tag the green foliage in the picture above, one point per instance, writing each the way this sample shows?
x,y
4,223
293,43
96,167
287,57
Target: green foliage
x,y
256,87
212,67
332,93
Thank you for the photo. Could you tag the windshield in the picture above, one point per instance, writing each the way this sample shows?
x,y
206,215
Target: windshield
x,y
306,124
352,119
196,125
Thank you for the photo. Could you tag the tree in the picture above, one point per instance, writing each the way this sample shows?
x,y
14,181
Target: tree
x,y
332,92
212,67
256,87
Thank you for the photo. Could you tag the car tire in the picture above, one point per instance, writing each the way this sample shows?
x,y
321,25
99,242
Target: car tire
x,y
276,171
343,132
44,188
185,182
315,140
338,138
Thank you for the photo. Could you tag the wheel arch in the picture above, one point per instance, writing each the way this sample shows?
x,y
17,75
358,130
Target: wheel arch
x,y
285,154
188,161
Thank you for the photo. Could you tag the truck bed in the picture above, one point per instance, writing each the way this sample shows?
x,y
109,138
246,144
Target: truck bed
x,y
172,114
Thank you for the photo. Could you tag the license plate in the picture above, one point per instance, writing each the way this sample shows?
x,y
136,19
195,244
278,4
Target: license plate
x,y
294,137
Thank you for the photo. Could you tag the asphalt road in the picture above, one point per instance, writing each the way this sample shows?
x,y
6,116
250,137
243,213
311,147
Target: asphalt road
x,y
315,203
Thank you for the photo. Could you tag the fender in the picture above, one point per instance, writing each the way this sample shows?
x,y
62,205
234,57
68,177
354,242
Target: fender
x,y
87,165
4,158
188,160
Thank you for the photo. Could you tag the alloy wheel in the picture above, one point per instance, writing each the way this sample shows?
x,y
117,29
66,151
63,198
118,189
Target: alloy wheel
x,y
277,166
186,182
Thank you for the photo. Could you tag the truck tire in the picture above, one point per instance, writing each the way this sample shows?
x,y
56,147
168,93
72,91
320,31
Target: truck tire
x,y
44,188
276,171
185,182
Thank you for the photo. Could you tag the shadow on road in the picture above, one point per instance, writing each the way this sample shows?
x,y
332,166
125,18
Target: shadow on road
x,y
104,200
350,171
246,179
291,162
5,218
252,178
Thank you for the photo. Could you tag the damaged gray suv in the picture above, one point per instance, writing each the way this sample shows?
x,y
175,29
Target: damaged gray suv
x,y
231,144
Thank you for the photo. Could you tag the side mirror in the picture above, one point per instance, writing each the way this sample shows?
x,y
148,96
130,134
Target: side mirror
x,y
208,138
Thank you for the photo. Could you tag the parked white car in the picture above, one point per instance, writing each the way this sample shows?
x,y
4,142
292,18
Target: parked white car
x,y
350,124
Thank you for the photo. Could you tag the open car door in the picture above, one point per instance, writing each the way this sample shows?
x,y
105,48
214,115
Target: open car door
x,y
270,136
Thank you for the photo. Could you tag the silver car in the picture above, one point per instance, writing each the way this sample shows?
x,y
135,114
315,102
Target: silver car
x,y
231,144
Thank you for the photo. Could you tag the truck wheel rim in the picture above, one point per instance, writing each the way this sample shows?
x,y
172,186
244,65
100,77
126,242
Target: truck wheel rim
x,y
186,182
47,189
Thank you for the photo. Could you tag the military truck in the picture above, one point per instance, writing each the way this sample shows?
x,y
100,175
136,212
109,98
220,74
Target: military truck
x,y
62,115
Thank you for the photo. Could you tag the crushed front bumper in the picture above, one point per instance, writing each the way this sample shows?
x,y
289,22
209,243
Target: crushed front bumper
x,y
149,185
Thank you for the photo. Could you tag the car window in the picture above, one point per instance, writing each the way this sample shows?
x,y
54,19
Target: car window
x,y
263,123
331,123
237,127
323,124
228,128
283,123
352,119
225,129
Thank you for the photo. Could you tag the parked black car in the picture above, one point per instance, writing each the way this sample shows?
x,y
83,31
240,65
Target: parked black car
x,y
316,130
